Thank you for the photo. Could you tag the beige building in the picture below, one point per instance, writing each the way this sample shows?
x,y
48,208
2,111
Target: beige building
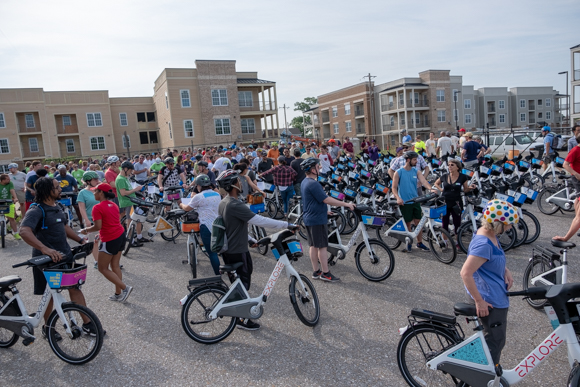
x,y
210,104
574,104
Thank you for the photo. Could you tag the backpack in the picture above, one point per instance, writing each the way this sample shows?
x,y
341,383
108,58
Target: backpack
x,y
219,239
557,142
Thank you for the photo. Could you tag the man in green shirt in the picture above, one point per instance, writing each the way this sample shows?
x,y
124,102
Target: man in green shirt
x,y
124,192
7,192
78,174
157,165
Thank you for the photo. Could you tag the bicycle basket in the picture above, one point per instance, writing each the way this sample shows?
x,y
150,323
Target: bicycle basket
x,y
372,163
258,208
340,167
336,178
374,221
365,174
381,190
496,170
531,195
507,198
435,212
173,195
65,201
337,195
4,209
484,171
66,278
559,162
353,175
524,166
255,198
436,162
269,188
467,172
537,163
349,194
366,191
351,165
387,159
508,168
322,180
292,249
189,227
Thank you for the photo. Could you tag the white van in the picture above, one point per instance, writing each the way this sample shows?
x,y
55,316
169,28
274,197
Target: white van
x,y
502,144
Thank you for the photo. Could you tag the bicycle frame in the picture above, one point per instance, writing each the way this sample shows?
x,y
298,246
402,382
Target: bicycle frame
x,y
561,273
400,229
161,224
361,228
248,307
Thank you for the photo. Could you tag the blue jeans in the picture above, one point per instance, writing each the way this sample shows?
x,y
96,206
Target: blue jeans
x,y
205,234
286,196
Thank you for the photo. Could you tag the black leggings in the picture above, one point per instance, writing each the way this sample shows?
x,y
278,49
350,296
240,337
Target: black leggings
x,y
244,272
456,217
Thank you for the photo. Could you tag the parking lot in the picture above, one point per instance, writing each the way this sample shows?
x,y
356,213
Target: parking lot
x,y
354,343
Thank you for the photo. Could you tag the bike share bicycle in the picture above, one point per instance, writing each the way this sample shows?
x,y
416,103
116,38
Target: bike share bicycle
x,y
5,205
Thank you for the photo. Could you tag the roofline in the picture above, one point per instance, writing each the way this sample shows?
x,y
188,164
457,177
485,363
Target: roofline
x,y
344,88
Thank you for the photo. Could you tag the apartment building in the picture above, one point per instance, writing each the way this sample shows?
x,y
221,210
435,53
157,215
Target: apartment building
x,y
210,104
575,84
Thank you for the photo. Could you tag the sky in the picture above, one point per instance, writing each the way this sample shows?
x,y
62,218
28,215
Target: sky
x,y
308,48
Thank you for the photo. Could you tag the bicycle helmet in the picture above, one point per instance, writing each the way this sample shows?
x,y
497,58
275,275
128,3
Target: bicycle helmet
x,y
410,155
202,164
202,180
12,165
127,164
112,159
500,211
90,175
61,166
307,164
546,128
169,160
227,179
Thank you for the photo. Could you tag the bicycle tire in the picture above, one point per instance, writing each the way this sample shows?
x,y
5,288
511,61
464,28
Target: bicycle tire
x,y
534,226
3,233
131,235
7,337
441,244
258,233
521,232
80,339
300,301
536,182
390,241
192,259
412,360
507,239
171,235
376,271
271,208
537,266
204,299
543,206
302,228
340,221
464,235
351,221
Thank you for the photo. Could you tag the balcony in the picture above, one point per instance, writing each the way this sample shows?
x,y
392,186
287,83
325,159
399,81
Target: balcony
x,y
388,127
401,104
325,117
360,129
387,106
67,129
414,102
491,108
532,120
359,111
426,122
531,105
576,75
258,106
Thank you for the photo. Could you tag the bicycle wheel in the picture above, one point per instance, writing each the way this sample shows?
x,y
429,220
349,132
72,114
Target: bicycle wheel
x,y
271,208
171,235
536,182
3,233
537,266
465,235
377,264
258,233
545,207
195,318
533,224
302,229
340,220
306,306
390,241
351,221
131,236
82,347
7,338
442,245
192,258
417,346
507,240
521,232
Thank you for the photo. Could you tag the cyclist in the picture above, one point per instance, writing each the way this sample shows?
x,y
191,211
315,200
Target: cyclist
x,y
18,178
110,177
486,277
86,201
315,216
170,176
405,182
44,227
113,239
284,177
141,170
125,191
157,165
7,192
548,145
205,203
237,216
223,163
68,184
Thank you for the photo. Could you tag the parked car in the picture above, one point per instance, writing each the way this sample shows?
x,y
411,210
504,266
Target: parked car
x,y
502,144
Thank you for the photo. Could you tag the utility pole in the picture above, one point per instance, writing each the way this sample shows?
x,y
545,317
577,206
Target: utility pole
x,y
372,109
285,120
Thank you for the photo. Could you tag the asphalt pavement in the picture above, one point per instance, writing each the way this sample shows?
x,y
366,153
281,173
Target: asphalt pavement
x,y
354,343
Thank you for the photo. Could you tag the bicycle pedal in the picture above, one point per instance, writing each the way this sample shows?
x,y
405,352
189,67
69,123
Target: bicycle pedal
x,y
184,261
27,341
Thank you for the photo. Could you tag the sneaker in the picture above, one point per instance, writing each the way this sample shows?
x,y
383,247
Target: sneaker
x,y
329,277
144,240
422,246
136,244
125,293
57,335
316,274
96,265
115,297
248,325
17,236
91,330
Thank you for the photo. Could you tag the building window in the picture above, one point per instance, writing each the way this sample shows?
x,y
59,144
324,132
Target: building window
x,y
66,121
166,101
188,127
417,118
548,115
501,104
502,118
185,100
539,114
2,121
348,126
219,97
347,109
548,102
335,128
148,137
146,117
222,126
334,111
245,98
97,143
455,95
4,148
248,126
392,121
467,103
441,96
126,141
123,119
33,144
94,119
170,131
522,117
70,145
29,120
441,116
540,102
468,118
522,103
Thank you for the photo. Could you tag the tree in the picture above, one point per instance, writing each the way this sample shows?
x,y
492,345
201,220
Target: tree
x,y
298,122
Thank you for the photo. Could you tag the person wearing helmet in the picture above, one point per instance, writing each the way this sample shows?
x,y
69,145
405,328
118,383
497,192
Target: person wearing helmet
x,y
170,175
315,217
405,182
125,191
485,275
111,175
157,165
18,178
549,138
238,216
205,201
69,184
7,192
86,201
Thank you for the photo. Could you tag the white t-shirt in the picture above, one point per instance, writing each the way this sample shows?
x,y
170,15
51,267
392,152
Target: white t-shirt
x,y
324,163
462,141
431,146
206,204
445,144
221,164
455,142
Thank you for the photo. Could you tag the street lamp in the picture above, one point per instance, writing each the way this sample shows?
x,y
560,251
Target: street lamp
x,y
567,97
456,112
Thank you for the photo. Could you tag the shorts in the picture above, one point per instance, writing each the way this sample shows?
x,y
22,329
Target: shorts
x,y
411,211
40,280
126,211
548,159
113,247
317,236
116,201
27,205
12,213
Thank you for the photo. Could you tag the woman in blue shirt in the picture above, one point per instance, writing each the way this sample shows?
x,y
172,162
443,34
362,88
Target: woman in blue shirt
x,y
486,277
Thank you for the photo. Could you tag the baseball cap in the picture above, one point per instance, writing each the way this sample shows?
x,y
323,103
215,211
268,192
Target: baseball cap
x,y
399,149
228,153
462,130
408,144
104,187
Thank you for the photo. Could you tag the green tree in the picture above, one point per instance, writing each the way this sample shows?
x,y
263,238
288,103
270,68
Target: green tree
x,y
298,122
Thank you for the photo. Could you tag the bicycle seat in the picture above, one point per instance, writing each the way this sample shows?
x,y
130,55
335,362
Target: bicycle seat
x,y
178,212
392,202
173,188
230,268
562,244
424,198
464,309
297,197
333,215
361,209
9,280
280,235
5,201
564,177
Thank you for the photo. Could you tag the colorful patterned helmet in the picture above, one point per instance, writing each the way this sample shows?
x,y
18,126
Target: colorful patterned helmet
x,y
500,211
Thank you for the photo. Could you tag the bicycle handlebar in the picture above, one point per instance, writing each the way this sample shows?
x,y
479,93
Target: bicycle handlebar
x,y
78,252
